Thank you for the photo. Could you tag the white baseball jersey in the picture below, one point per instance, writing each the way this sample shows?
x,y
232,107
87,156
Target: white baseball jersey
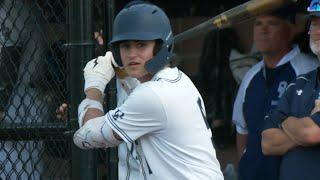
x,y
163,123
127,165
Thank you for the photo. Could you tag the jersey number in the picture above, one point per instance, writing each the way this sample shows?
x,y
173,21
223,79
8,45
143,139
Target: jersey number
x,y
203,112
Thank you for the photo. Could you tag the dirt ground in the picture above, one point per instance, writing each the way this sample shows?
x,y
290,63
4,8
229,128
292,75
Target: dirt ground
x,y
227,155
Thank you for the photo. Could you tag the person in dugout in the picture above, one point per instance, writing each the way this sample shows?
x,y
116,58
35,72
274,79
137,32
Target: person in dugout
x,y
292,130
263,86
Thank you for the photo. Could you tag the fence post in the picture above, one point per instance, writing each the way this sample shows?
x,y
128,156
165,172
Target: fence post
x,y
80,45
111,97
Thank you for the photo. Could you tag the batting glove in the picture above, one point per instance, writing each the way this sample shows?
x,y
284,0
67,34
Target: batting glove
x,y
98,72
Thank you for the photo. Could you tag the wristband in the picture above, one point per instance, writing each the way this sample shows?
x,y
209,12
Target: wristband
x,y
84,106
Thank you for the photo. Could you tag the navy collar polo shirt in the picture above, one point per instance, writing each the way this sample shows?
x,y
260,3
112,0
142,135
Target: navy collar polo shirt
x,y
298,101
260,92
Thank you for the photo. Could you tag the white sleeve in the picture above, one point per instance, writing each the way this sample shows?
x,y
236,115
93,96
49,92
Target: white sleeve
x,y
141,113
237,115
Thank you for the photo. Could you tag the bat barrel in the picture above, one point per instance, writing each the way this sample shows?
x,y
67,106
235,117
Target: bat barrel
x,y
233,16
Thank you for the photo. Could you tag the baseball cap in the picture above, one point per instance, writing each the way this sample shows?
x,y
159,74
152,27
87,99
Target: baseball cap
x,y
314,8
287,13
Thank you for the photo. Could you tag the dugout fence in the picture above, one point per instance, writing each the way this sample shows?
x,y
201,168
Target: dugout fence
x,y
44,45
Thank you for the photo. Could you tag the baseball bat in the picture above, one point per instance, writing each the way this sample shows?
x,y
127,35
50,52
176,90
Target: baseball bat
x,y
235,15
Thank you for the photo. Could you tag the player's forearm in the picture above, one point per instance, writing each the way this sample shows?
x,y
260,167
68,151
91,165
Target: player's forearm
x,y
94,94
304,131
276,142
241,144
91,113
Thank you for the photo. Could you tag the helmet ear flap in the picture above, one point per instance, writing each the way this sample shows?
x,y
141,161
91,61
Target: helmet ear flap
x,y
161,58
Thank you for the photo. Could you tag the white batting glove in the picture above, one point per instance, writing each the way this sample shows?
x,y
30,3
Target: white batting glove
x,y
98,72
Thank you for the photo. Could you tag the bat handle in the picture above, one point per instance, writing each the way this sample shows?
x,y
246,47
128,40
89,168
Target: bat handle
x,y
120,72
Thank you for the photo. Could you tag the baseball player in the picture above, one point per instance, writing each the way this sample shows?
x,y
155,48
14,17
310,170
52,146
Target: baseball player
x,y
123,86
292,129
162,121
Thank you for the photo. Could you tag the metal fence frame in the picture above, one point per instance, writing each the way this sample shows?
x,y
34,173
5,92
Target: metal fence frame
x,y
79,48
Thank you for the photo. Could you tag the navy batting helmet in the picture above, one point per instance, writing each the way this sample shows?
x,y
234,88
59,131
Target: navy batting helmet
x,y
143,21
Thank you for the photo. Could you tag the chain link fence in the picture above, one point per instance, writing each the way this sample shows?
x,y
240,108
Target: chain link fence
x,y
34,144
32,84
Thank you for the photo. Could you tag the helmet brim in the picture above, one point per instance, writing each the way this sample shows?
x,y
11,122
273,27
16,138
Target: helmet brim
x,y
134,37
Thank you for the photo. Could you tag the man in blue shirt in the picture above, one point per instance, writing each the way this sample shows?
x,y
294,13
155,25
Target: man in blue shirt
x,y
292,129
263,86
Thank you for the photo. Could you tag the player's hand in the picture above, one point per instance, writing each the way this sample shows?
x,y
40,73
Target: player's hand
x,y
98,72
316,106
61,112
